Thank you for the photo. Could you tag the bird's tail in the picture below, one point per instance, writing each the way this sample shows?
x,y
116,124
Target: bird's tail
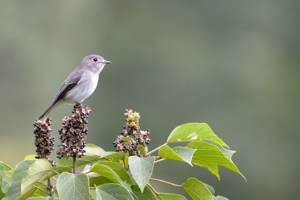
x,y
46,112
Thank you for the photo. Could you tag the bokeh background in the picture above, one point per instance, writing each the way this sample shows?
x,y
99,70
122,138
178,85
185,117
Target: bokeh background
x,y
231,64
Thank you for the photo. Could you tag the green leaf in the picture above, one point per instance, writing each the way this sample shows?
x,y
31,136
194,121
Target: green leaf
x,y
40,198
143,149
170,196
210,155
113,155
38,190
197,189
126,139
40,170
210,188
118,169
146,195
193,131
220,198
3,180
5,177
92,154
41,190
70,186
112,191
182,154
27,194
99,180
6,167
93,150
141,169
13,189
110,174
30,157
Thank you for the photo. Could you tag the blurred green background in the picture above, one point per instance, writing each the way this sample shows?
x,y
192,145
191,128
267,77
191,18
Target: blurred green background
x,y
231,64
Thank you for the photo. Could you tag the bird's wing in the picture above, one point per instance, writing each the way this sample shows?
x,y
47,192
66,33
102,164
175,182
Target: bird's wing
x,y
67,85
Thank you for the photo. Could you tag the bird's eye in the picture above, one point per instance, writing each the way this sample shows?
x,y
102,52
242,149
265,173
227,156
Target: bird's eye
x,y
95,59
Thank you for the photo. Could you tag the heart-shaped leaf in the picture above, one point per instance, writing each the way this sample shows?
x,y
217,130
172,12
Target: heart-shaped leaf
x,y
71,186
141,169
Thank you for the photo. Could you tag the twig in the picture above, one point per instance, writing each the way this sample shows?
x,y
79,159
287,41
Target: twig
x,y
166,182
156,149
159,160
86,171
152,188
50,188
74,163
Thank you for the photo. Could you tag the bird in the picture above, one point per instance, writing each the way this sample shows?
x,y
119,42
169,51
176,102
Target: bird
x,y
80,84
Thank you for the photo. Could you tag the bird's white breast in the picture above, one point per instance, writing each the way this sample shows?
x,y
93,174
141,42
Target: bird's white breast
x,y
84,88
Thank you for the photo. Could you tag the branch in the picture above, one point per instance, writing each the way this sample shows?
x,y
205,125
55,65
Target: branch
x,y
50,188
156,149
152,188
166,182
74,164
159,159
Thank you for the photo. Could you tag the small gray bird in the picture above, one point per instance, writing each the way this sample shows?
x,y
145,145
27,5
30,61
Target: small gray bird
x,y
80,84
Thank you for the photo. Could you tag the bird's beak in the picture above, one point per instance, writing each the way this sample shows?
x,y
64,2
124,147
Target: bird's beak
x,y
106,62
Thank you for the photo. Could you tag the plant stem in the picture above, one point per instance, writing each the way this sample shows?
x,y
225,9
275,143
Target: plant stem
x,y
152,188
74,163
166,182
159,160
50,188
156,149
